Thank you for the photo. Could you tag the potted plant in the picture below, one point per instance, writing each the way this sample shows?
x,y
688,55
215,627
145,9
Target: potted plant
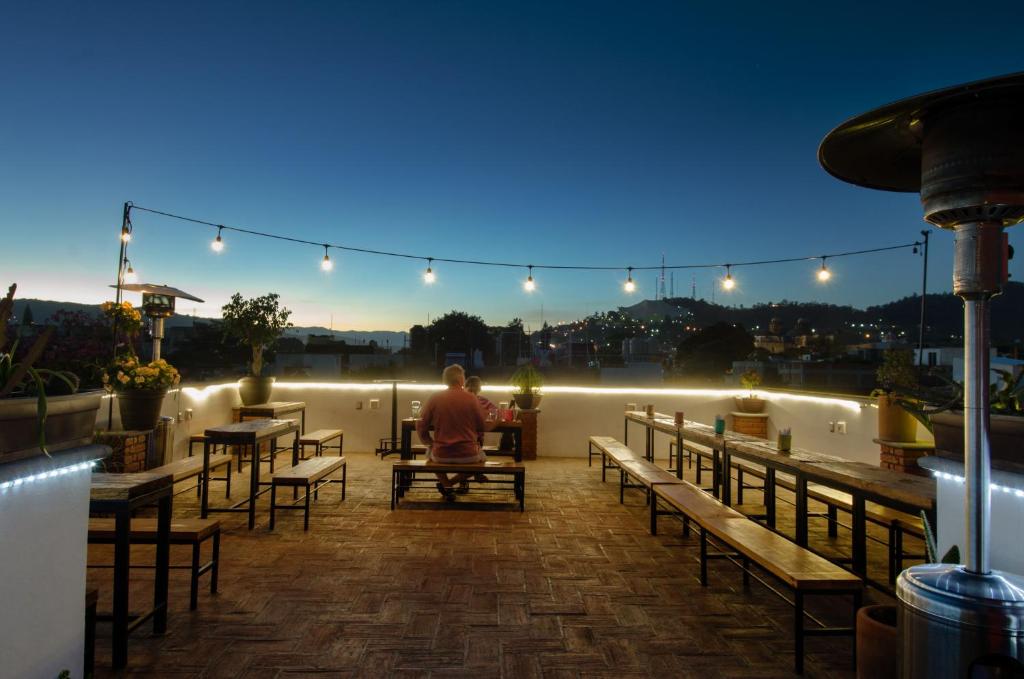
x,y
750,380
896,379
527,382
878,632
33,420
1006,420
257,322
140,389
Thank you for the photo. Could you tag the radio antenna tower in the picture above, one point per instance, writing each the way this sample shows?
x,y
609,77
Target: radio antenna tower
x,y
661,279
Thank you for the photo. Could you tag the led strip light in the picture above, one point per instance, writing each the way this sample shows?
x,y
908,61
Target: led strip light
x,y
41,476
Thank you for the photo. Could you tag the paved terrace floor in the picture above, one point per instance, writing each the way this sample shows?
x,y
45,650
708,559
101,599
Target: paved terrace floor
x,y
574,587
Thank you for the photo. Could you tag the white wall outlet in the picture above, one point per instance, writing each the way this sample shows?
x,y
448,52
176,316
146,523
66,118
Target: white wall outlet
x,y
841,427
374,404
832,426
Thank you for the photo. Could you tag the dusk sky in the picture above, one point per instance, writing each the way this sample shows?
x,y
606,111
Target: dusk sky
x,y
546,133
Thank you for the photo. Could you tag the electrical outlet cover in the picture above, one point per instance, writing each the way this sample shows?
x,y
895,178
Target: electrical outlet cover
x,y
374,404
841,427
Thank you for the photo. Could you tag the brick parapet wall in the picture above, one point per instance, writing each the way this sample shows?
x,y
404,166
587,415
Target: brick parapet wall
x,y
129,450
903,459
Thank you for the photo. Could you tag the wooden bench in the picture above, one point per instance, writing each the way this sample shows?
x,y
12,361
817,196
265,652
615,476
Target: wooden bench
x,y
403,473
744,541
310,474
192,532
189,467
897,523
319,439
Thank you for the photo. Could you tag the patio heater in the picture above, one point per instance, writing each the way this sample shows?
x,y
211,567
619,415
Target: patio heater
x,y
962,149
158,304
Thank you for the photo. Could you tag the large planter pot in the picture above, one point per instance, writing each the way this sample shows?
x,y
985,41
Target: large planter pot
x,y
1005,434
527,401
70,422
878,642
140,408
750,404
255,390
895,423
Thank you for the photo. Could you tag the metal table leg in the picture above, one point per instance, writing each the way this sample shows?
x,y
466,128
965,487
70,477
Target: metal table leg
x,y
801,510
860,540
122,549
163,555
254,484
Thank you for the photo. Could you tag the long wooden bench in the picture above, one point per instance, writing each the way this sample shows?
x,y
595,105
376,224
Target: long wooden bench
x,y
898,524
744,541
192,467
319,439
309,474
403,474
193,532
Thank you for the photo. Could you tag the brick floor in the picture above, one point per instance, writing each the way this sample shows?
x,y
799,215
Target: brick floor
x,y
574,587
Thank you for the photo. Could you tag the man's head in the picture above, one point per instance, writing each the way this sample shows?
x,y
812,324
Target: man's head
x,y
454,376
473,384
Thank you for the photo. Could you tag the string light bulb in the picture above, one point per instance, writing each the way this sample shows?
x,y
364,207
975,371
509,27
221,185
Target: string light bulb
x,y
629,285
218,243
126,234
428,275
823,273
326,264
728,283
130,276
528,284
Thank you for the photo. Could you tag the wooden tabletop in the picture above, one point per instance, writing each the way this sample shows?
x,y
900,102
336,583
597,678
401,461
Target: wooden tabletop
x,y
250,431
126,487
916,491
273,408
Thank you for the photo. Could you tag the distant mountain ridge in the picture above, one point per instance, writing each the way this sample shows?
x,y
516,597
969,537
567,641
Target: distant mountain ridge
x,y
43,309
944,316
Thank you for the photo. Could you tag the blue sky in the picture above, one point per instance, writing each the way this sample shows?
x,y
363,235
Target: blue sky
x,y
569,133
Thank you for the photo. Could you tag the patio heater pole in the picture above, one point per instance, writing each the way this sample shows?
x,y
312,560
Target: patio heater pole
x,y
924,294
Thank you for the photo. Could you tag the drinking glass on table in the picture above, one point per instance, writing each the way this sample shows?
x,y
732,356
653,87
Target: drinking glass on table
x,y
416,409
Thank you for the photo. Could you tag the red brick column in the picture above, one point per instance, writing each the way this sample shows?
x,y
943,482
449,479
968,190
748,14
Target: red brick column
x,y
129,450
903,456
529,420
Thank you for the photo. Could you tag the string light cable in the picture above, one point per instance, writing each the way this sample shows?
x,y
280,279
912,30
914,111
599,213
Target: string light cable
x,y
326,264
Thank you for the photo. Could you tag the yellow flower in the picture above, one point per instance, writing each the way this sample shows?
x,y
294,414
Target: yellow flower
x,y
122,378
140,380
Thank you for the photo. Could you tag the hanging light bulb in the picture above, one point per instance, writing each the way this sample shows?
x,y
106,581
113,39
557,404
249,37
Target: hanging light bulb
x,y
126,235
823,273
428,275
629,285
728,283
528,284
218,244
130,276
326,264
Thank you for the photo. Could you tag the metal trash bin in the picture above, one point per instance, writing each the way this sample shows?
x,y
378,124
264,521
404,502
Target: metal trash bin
x,y
162,447
954,623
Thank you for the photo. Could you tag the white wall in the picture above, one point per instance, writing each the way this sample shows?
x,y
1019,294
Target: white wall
x,y
568,414
1007,549
42,576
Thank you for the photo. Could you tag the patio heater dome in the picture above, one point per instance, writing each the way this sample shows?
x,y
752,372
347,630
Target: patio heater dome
x,y
962,149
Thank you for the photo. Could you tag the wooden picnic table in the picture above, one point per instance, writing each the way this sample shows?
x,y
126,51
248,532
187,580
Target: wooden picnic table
x,y
250,433
515,427
120,495
274,410
863,482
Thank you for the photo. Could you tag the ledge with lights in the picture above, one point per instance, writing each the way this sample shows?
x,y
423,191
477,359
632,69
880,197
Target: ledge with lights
x,y
44,514
1007,493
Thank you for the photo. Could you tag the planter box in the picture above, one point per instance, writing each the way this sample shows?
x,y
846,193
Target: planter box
x,y
1006,434
70,422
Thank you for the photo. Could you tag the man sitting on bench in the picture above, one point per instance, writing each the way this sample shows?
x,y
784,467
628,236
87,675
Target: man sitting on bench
x,y
458,420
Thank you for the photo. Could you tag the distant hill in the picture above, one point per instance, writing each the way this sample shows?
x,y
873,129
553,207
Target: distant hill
x,y
43,309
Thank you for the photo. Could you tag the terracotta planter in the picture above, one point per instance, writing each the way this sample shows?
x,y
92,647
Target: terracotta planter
x,y
70,422
255,390
140,408
895,423
1005,435
750,404
527,401
878,642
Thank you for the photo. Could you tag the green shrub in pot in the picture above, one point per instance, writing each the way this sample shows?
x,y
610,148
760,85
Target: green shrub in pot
x,y
257,322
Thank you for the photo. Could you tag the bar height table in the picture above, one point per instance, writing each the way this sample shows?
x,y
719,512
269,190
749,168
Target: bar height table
x,y
120,495
251,433
274,410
